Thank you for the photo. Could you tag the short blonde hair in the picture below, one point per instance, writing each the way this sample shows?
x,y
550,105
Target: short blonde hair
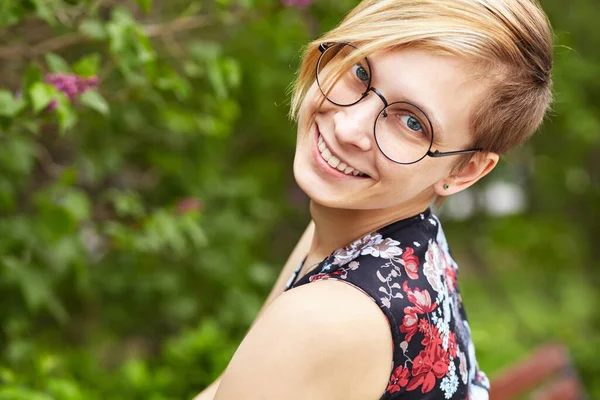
x,y
508,41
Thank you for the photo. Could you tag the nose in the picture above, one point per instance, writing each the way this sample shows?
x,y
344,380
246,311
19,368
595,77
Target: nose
x,y
354,125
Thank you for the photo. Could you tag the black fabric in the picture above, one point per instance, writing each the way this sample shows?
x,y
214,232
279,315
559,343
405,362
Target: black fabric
x,y
406,268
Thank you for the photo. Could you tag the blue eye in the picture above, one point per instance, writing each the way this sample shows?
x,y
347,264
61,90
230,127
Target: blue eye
x,y
412,123
361,73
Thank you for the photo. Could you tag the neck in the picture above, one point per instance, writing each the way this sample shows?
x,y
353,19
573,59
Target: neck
x,y
335,228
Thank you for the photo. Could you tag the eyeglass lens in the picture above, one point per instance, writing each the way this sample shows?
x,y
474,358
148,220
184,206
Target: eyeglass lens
x,y
402,130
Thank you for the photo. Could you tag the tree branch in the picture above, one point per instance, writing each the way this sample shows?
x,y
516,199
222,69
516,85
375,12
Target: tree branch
x,y
73,38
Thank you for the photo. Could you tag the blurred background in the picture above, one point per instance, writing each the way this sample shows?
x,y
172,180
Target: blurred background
x,y
147,201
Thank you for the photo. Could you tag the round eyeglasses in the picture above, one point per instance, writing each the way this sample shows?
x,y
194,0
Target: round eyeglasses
x,y
403,131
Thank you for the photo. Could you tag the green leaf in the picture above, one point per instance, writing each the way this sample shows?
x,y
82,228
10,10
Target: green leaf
x,y
93,28
45,11
9,13
145,51
32,75
119,31
41,95
217,80
145,5
204,50
56,63
233,72
126,203
77,204
9,104
88,65
7,195
22,393
17,155
35,287
65,389
67,118
95,101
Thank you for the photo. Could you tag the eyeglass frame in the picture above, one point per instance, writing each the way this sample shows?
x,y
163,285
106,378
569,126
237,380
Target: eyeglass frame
x,y
323,47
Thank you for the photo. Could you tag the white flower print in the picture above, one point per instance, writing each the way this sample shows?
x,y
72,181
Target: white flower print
x,y
388,289
350,252
386,302
388,248
464,375
449,384
433,268
478,393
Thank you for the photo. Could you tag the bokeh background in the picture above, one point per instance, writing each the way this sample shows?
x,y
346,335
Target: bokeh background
x,y
147,201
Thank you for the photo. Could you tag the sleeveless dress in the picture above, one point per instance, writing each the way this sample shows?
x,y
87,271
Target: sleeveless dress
x,y
407,270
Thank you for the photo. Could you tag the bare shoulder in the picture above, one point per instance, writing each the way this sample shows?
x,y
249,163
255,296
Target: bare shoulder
x,y
323,340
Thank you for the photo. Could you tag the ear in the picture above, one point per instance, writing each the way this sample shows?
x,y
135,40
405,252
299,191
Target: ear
x,y
478,166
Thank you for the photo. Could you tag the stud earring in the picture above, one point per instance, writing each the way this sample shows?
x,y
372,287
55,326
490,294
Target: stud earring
x,y
446,186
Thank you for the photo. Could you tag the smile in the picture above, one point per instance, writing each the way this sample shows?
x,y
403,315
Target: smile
x,y
335,162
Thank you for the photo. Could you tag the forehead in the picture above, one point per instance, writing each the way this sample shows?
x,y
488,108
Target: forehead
x,y
443,85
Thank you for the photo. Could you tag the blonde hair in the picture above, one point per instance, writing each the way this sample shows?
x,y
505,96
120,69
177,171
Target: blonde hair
x,y
509,42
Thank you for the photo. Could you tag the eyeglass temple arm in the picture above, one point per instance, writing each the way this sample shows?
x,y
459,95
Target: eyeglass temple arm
x,y
438,153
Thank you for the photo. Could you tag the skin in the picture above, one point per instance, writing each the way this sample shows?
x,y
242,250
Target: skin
x,y
328,340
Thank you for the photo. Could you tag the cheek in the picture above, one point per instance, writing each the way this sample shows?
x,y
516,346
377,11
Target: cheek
x,y
311,104
409,180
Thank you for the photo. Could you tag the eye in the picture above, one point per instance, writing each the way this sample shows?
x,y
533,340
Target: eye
x,y
361,73
412,123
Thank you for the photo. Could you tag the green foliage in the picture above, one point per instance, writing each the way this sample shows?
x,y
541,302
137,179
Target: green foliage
x,y
142,222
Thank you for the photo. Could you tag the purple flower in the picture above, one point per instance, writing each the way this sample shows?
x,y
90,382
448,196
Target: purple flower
x,y
70,84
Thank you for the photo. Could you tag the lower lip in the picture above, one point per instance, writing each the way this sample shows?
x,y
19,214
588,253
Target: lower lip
x,y
324,165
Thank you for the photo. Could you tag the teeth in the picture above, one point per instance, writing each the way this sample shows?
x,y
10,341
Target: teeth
x,y
334,161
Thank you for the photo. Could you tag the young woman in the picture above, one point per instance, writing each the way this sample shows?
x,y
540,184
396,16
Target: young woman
x,y
404,103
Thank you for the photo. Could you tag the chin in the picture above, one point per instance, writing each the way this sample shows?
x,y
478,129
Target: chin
x,y
328,195
316,190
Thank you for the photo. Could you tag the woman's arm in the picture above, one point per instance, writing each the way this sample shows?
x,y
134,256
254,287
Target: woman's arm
x,y
295,258
323,341
209,392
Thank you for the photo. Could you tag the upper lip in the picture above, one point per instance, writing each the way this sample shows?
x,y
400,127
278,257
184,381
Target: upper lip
x,y
335,154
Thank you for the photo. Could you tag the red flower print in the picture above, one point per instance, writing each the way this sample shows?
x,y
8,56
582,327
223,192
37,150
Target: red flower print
x,y
422,305
432,337
427,367
318,277
420,298
422,363
440,361
411,263
450,273
409,323
425,327
422,374
398,380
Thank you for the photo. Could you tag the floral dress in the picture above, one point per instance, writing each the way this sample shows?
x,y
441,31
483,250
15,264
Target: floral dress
x,y
407,270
